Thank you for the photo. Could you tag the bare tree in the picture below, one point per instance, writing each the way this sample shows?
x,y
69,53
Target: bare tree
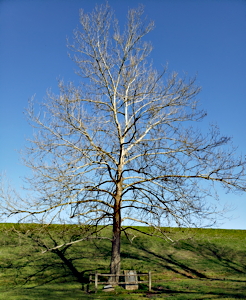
x,y
122,146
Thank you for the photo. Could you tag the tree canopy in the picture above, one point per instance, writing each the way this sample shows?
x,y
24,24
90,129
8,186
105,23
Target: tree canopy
x,y
123,145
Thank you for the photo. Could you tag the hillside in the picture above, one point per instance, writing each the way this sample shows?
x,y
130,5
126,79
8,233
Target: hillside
x,y
200,264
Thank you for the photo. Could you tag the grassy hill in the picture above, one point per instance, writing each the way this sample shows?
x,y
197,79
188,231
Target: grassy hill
x,y
200,264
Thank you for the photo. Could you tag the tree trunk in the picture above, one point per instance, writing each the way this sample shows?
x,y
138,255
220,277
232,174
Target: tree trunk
x,y
116,240
115,254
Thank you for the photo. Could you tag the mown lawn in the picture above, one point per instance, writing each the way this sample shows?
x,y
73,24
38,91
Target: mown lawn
x,y
201,264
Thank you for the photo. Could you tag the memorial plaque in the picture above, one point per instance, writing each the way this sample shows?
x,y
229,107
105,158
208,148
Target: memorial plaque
x,y
131,280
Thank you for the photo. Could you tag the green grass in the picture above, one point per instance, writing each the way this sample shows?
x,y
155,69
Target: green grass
x,y
201,264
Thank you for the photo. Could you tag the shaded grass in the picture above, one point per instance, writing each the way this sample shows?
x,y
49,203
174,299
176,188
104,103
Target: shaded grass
x,y
175,289
201,264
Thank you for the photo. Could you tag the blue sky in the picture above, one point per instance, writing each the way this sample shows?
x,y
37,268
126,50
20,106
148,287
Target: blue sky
x,y
206,38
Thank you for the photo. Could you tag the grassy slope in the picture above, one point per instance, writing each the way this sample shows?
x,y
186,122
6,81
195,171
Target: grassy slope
x,y
202,264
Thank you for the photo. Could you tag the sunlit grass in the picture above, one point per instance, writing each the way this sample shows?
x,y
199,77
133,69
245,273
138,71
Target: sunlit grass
x,y
201,264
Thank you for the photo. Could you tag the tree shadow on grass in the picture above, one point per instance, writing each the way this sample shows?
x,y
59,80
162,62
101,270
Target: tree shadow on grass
x,y
219,258
168,262
160,257
25,264
67,264
225,257
211,294
36,268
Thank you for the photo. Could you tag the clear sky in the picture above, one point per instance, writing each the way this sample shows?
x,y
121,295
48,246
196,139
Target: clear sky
x,y
206,38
